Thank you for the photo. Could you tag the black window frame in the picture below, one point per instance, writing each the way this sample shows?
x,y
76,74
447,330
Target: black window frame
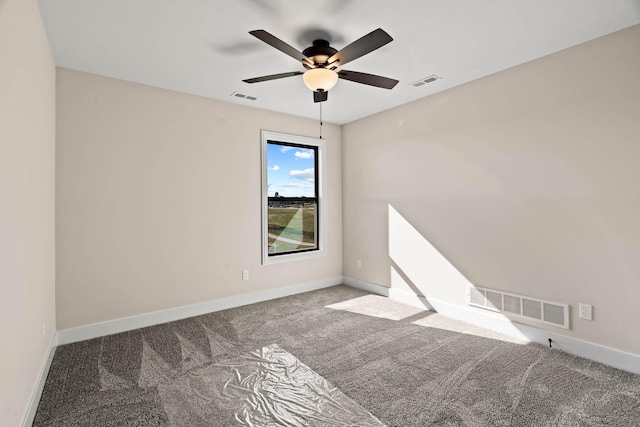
x,y
315,199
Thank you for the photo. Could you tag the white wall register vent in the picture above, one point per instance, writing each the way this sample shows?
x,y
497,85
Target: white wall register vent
x,y
520,308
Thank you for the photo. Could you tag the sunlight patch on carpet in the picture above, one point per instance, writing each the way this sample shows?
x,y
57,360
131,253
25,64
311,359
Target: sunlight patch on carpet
x,y
378,306
387,308
438,321
264,388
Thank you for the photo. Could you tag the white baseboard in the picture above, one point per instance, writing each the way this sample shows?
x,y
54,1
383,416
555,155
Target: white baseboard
x,y
42,378
366,286
495,322
96,330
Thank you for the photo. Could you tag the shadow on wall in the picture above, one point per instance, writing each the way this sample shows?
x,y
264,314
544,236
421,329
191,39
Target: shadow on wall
x,y
421,275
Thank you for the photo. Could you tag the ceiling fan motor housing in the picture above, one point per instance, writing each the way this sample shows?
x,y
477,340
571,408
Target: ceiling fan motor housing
x,y
319,53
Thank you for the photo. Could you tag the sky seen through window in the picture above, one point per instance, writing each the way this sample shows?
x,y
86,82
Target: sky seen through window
x,y
291,171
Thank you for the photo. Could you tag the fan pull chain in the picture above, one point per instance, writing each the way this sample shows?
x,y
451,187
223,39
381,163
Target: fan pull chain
x,y
320,119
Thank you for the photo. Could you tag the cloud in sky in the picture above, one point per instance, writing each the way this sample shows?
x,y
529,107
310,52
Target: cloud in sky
x,y
293,185
306,154
293,189
275,168
285,148
307,174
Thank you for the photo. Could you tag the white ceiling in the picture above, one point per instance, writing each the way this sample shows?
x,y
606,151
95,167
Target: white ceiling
x,y
203,47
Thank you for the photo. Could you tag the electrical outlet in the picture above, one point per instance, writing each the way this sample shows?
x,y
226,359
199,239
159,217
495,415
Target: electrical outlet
x,y
245,274
585,311
359,263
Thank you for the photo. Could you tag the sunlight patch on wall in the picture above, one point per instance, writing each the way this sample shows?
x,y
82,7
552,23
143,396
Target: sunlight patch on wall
x,y
423,277
398,282
428,272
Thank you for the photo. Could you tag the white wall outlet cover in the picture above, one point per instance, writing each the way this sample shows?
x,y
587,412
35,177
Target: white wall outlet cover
x,y
585,311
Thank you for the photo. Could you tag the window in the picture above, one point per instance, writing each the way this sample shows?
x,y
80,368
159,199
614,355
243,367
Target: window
x,y
293,224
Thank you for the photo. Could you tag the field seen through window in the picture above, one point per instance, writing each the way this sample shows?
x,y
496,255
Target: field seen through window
x,y
292,228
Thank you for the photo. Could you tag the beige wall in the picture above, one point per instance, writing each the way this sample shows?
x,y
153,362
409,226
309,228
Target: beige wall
x,y
158,200
526,181
27,173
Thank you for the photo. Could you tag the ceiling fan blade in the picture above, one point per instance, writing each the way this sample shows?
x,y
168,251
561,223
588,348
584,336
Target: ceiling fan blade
x,y
272,40
368,79
360,47
273,77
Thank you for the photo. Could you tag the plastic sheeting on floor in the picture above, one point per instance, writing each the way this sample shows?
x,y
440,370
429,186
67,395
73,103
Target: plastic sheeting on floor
x,y
268,387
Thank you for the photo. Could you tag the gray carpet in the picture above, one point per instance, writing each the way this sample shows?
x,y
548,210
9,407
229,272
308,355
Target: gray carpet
x,y
405,366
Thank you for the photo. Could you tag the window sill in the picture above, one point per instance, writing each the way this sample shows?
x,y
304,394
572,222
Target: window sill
x,y
293,257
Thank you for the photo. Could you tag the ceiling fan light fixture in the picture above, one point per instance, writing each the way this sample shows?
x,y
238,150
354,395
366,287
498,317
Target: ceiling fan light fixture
x,y
320,79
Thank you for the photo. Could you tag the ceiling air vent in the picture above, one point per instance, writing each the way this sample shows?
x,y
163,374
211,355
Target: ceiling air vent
x,y
432,78
243,96
520,308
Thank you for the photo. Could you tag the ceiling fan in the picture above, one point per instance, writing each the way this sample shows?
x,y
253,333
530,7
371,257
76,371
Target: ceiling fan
x,y
322,62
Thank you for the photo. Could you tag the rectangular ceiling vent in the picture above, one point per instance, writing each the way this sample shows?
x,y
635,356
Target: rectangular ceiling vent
x,y
519,307
432,78
240,95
